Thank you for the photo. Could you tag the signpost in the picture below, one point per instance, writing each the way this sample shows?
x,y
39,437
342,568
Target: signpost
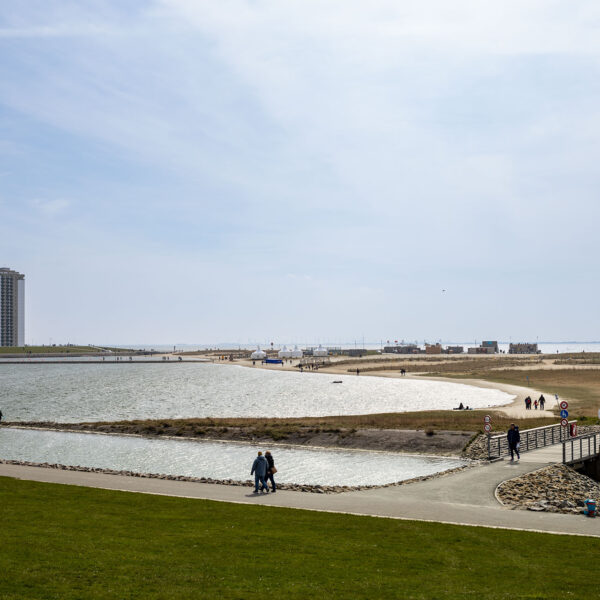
x,y
487,427
564,405
564,422
564,414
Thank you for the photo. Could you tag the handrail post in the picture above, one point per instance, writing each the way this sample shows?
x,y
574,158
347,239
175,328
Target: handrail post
x,y
564,453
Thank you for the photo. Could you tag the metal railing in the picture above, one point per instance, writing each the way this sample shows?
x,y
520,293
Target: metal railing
x,y
531,439
581,448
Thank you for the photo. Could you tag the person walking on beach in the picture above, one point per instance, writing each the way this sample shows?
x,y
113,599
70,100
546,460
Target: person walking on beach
x,y
542,402
535,404
259,470
514,438
271,470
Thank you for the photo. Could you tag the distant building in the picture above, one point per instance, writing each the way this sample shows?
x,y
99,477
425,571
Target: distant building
x,y
485,348
12,308
523,348
355,352
433,348
491,346
404,349
455,350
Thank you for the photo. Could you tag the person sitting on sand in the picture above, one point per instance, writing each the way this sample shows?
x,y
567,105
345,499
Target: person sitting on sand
x,y
259,470
271,470
461,406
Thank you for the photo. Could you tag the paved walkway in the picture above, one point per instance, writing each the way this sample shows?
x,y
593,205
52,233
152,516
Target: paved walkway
x,y
465,498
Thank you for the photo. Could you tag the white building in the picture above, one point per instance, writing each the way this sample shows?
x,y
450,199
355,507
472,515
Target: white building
x,y
258,354
296,353
12,308
285,353
320,351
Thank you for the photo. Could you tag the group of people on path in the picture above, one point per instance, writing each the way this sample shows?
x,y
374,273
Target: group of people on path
x,y
541,403
263,469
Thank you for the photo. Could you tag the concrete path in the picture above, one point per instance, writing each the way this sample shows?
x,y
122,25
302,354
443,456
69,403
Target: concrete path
x,y
465,498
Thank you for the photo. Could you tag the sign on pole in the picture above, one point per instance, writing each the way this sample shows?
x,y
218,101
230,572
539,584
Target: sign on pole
x,y
564,414
564,405
564,422
487,427
487,419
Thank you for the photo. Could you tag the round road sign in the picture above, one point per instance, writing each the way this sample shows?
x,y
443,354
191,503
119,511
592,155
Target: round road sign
x,y
564,405
487,427
487,419
564,422
564,414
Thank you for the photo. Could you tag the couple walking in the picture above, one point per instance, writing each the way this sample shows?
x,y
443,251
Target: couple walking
x,y
263,469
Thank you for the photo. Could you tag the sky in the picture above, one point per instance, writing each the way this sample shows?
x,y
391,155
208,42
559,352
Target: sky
x,y
185,171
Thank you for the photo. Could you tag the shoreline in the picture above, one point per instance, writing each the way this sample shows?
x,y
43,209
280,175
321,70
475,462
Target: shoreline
x,y
297,487
513,408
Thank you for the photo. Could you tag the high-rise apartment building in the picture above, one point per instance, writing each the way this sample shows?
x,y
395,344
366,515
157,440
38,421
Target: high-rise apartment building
x,y
12,308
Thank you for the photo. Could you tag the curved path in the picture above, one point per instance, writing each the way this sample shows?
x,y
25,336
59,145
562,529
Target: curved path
x,y
465,498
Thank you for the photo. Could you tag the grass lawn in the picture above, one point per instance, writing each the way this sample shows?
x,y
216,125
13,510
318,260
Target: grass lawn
x,y
69,542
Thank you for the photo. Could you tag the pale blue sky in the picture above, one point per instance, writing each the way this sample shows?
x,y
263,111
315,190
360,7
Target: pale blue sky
x,y
186,171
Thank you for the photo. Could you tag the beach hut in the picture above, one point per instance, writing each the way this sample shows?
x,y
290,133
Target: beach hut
x,y
285,353
296,353
258,354
320,351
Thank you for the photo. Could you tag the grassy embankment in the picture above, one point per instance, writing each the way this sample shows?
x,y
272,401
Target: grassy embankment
x,y
69,542
280,430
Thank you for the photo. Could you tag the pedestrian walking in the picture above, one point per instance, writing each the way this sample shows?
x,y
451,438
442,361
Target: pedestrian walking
x,y
271,470
259,470
542,402
535,405
514,440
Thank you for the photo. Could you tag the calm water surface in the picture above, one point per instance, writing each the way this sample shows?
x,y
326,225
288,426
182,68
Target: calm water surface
x,y
101,392
217,460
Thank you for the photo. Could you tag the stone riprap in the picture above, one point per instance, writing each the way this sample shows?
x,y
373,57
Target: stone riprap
x,y
557,488
477,449
296,487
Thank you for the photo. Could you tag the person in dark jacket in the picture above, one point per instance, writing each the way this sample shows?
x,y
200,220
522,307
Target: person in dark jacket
x,y
270,467
542,402
514,437
259,470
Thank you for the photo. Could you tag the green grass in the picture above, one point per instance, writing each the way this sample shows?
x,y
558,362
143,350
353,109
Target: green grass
x,y
69,542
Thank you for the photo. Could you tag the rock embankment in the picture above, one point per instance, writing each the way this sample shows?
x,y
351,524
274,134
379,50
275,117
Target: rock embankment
x,y
558,489
296,487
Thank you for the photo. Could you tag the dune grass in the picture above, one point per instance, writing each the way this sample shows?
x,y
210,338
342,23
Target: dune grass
x,y
68,542
582,386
